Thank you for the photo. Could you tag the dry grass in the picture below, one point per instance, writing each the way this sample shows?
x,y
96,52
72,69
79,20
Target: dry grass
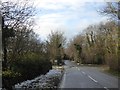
x,y
58,67
107,70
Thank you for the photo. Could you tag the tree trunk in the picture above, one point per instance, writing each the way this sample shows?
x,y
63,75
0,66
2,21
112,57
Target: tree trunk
x,y
4,65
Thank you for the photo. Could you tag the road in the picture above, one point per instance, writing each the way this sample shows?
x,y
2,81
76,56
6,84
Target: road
x,y
86,77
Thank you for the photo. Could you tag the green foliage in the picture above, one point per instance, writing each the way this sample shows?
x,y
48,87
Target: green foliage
x,y
9,74
27,67
32,65
59,60
98,59
114,72
10,78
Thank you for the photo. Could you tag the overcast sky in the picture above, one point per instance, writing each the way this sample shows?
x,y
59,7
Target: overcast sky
x,y
69,16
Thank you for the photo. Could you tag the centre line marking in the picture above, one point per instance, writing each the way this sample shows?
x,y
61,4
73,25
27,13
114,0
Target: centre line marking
x,y
92,79
106,88
83,72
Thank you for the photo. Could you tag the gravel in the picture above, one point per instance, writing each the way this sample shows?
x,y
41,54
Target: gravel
x,y
50,80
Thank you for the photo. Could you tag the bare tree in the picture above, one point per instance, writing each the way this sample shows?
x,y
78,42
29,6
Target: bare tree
x,y
14,16
56,42
112,9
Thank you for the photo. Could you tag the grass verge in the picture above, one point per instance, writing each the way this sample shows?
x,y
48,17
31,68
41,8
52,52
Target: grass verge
x,y
107,70
115,73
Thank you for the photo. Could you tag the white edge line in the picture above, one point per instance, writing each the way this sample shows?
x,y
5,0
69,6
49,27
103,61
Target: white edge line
x,y
92,79
63,83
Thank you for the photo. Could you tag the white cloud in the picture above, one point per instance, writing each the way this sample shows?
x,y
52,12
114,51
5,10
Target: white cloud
x,y
54,21
59,4
48,22
85,23
47,5
66,10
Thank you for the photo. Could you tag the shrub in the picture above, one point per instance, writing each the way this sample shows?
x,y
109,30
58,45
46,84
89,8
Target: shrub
x,y
9,78
32,65
27,67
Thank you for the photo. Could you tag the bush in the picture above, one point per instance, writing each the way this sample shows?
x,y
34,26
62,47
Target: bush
x,y
27,67
32,65
99,59
10,78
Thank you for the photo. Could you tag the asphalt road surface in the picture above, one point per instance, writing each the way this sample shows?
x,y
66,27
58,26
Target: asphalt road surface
x,y
86,77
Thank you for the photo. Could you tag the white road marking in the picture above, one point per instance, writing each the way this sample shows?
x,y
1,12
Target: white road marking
x,y
83,72
92,79
106,88
78,69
